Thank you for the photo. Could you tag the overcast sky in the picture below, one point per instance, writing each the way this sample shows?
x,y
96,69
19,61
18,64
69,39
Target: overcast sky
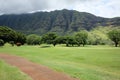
x,y
104,8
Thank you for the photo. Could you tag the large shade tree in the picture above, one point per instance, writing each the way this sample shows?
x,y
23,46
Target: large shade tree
x,y
49,38
114,35
21,38
7,34
81,38
10,35
33,39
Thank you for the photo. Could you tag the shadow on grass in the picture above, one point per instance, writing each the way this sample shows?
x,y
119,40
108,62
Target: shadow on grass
x,y
45,46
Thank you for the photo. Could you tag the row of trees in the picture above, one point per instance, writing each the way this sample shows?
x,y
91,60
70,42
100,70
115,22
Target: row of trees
x,y
78,39
11,36
52,38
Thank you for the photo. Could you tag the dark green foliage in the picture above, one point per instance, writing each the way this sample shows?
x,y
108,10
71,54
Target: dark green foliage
x,y
114,35
70,41
119,43
1,42
12,43
59,21
21,38
49,38
7,34
60,40
52,38
81,38
33,39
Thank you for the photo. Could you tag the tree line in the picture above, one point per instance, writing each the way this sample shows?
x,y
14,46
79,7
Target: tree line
x,y
8,35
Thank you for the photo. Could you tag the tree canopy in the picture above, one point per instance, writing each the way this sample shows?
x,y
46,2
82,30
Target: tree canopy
x,y
49,38
8,35
81,37
114,35
33,39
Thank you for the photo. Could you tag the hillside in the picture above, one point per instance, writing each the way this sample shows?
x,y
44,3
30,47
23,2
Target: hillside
x,y
60,21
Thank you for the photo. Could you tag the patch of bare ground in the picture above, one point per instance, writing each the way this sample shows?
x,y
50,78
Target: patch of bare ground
x,y
35,71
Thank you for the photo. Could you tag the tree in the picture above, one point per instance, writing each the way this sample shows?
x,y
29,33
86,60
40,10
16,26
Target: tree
x,y
81,38
98,36
69,40
95,39
1,42
72,41
33,39
7,34
49,38
114,35
12,43
60,40
21,38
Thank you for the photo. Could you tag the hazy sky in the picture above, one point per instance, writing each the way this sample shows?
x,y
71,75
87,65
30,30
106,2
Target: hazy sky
x,y
104,8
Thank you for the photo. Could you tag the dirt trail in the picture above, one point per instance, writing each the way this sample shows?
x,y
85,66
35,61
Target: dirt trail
x,y
35,71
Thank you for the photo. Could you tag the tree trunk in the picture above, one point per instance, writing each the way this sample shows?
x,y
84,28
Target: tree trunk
x,y
72,45
67,45
83,45
54,44
116,44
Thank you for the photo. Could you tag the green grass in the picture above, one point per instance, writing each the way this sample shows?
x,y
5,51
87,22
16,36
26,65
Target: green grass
x,y
8,72
85,63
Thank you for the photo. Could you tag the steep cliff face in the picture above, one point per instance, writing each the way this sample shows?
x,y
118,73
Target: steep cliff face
x,y
60,21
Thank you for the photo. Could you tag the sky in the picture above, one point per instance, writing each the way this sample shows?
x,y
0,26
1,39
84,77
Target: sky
x,y
103,8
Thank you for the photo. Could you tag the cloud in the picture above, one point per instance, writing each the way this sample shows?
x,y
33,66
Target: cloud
x,y
21,6
105,8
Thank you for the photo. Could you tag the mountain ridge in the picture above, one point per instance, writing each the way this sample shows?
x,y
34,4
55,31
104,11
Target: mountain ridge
x,y
60,21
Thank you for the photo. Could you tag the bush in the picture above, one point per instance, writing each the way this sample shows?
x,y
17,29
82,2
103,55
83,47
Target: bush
x,y
1,42
12,43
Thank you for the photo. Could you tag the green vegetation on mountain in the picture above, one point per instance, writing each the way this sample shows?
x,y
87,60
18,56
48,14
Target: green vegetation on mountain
x,y
59,21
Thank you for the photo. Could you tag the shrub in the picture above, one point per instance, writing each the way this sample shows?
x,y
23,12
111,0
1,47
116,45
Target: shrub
x,y
12,43
1,42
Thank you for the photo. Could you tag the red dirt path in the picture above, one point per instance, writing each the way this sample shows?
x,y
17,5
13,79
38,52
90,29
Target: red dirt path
x,y
35,71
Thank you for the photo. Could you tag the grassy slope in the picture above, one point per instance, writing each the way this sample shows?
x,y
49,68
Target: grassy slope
x,y
86,63
8,72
